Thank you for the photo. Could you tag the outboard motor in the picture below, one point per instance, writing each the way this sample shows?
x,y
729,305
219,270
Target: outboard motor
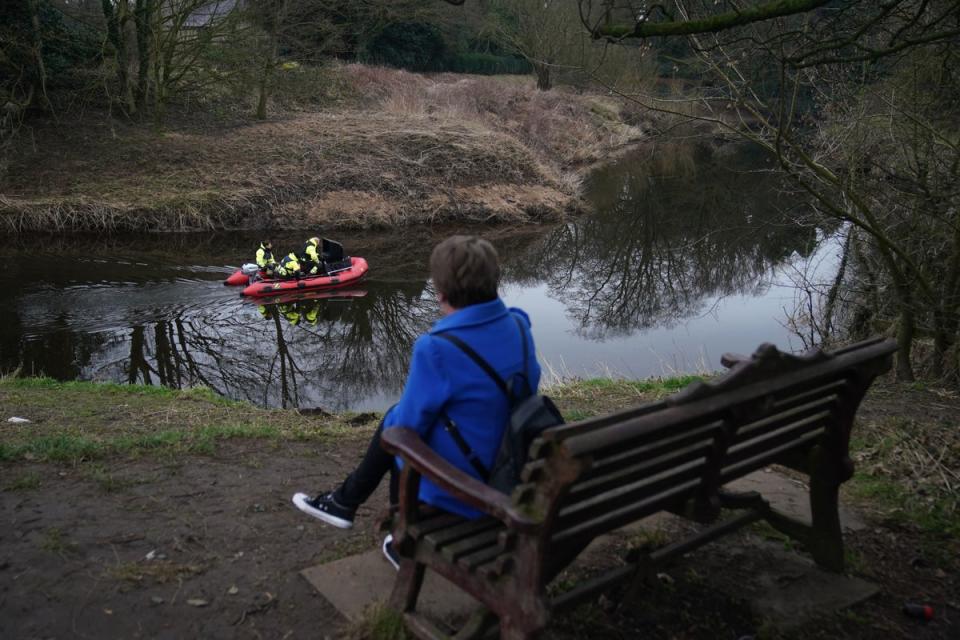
x,y
252,271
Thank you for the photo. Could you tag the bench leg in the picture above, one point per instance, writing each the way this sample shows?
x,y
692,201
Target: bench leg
x,y
406,589
826,535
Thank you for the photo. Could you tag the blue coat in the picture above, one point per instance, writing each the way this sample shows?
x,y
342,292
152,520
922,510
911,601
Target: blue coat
x,y
444,380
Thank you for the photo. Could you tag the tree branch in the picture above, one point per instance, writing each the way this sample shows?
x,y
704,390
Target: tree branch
x,y
712,24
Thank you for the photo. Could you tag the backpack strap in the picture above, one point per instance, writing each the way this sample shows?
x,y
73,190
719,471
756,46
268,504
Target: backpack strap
x,y
450,426
526,354
483,364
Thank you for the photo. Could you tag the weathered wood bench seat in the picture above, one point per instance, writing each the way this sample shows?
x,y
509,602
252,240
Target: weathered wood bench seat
x,y
588,478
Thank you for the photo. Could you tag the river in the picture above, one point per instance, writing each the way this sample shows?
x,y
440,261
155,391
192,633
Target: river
x,y
688,254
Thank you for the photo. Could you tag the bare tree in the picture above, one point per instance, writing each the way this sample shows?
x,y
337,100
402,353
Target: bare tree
x,y
542,31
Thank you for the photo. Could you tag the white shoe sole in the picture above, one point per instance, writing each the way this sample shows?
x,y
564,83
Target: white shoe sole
x,y
300,501
387,541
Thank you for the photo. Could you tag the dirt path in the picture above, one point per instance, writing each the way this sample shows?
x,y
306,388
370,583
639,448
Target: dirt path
x,y
74,559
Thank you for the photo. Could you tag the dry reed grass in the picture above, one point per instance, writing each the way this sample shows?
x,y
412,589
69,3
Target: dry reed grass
x,y
412,149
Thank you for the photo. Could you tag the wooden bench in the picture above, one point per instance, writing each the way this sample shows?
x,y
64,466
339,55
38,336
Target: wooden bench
x,y
588,478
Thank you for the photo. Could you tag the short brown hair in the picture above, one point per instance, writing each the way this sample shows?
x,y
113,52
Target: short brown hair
x,y
466,270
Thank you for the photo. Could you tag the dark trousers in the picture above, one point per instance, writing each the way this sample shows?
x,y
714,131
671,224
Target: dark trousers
x,y
364,480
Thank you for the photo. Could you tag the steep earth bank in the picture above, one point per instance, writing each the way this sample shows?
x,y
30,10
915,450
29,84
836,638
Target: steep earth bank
x,y
391,148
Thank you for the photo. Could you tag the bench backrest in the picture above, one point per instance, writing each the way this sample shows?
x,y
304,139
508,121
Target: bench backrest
x,y
596,475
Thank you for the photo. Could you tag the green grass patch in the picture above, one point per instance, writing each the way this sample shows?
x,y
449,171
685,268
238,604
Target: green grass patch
x,y
61,448
104,388
656,385
55,541
932,515
904,463
581,399
116,389
86,421
72,449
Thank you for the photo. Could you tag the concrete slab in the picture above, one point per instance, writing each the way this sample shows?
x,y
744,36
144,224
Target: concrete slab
x,y
788,589
789,495
354,583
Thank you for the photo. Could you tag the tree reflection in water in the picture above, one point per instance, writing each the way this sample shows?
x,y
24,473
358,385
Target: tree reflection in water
x,y
310,352
667,235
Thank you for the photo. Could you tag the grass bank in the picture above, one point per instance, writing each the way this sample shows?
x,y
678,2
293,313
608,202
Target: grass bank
x,y
376,148
75,422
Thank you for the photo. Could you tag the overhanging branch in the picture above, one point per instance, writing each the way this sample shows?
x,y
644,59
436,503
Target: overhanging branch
x,y
719,22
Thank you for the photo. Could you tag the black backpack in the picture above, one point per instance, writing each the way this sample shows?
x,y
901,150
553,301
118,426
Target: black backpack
x,y
530,415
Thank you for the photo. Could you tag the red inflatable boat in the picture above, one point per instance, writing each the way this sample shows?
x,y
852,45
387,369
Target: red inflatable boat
x,y
339,278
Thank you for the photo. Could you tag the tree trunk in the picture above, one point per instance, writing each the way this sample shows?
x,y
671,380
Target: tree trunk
x,y
543,76
272,55
905,330
143,17
116,19
41,81
264,90
945,316
829,308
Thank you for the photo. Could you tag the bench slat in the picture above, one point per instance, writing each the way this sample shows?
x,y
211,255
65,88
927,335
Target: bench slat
x,y
639,491
773,439
433,523
471,561
631,511
825,409
623,476
764,458
799,395
464,529
628,455
486,539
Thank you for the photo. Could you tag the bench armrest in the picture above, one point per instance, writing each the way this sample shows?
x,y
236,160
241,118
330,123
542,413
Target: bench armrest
x,y
730,360
407,444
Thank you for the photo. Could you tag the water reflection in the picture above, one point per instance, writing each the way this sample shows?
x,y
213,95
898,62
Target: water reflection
x,y
327,351
675,228
669,235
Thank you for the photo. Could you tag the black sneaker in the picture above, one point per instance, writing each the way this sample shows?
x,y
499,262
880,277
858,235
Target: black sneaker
x,y
325,508
390,553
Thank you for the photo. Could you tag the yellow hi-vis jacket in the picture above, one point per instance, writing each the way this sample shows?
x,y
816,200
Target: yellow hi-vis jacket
x,y
289,266
265,257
